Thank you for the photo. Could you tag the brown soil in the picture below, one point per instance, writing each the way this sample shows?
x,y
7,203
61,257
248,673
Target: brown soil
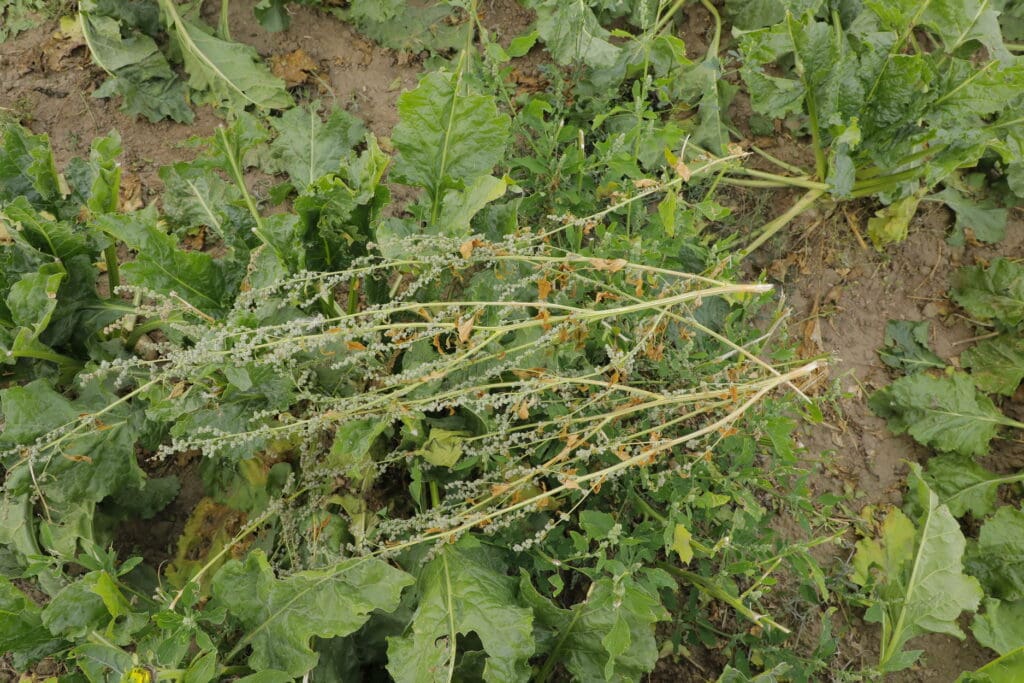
x,y
842,291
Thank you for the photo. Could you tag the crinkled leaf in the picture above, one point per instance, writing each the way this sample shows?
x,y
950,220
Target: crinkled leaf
x,y
464,589
891,223
459,206
962,484
222,73
76,610
401,25
445,136
946,413
986,222
1001,626
572,34
997,559
920,586
281,616
996,292
307,148
609,636
996,365
776,675
906,346
137,70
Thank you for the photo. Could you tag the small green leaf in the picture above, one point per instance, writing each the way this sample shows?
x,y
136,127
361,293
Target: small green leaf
x,y
890,224
443,447
282,615
906,346
681,543
1006,669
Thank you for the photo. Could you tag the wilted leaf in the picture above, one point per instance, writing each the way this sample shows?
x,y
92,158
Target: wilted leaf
x,y
890,224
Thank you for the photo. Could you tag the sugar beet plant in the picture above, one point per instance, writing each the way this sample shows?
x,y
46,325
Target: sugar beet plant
x,y
428,442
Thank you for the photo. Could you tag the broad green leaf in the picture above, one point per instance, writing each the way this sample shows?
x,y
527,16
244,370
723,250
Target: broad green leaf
x,y
27,168
459,206
997,559
957,22
194,196
993,293
281,616
32,410
446,137
307,148
76,610
355,445
22,633
223,73
776,675
963,485
103,663
572,34
161,266
986,221
137,70
1006,669
404,26
607,637
996,365
906,346
43,232
946,413
1001,626
464,589
920,587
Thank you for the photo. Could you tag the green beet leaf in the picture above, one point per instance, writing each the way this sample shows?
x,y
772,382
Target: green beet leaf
x,y
906,346
22,633
946,413
446,137
1006,669
307,148
1001,626
914,576
280,616
607,637
776,675
993,293
997,558
963,485
572,34
222,73
27,168
464,589
996,365
137,70
986,221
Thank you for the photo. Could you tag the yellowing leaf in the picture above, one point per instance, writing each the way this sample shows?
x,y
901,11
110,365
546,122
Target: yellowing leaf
x,y
681,543
890,225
